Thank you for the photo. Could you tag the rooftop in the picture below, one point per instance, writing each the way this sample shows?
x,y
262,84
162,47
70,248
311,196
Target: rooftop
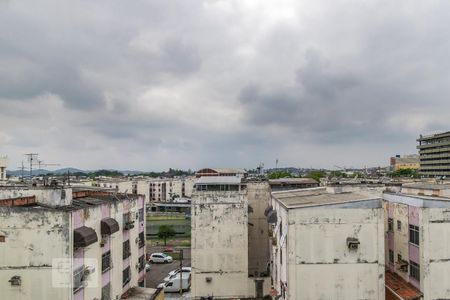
x,y
428,186
402,288
292,180
316,197
216,180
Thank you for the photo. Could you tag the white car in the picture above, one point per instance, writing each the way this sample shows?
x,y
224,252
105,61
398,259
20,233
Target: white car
x,y
160,258
173,273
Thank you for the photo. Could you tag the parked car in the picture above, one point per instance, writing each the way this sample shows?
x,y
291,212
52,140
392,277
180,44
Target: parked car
x,y
147,267
168,249
180,281
173,273
160,258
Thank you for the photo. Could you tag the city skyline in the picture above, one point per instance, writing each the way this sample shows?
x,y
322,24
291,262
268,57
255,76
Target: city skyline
x,y
188,84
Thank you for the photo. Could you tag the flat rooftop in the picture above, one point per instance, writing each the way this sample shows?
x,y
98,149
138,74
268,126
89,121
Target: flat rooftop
x,y
292,180
217,180
428,186
316,197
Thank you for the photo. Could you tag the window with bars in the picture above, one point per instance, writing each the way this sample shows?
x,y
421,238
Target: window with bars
x,y
414,235
399,225
414,270
126,276
106,292
141,240
390,224
106,261
141,263
141,215
126,249
391,256
78,279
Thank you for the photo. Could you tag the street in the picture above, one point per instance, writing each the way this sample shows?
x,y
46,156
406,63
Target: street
x,y
158,271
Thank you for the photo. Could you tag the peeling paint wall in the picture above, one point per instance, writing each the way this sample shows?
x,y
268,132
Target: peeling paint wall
x,y
317,263
220,245
33,238
258,194
49,196
435,260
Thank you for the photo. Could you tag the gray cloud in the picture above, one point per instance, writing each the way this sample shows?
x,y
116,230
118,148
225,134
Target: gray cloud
x,y
157,84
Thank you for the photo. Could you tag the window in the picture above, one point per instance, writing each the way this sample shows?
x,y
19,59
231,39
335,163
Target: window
x,y
141,215
414,235
141,240
414,270
391,256
390,224
281,256
106,261
141,263
106,292
126,276
78,278
126,249
399,225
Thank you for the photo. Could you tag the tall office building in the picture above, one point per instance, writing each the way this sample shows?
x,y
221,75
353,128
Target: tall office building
x,y
434,153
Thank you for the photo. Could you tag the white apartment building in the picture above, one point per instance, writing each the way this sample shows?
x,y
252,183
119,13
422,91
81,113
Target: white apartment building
x,y
3,166
167,189
417,242
59,243
327,246
220,241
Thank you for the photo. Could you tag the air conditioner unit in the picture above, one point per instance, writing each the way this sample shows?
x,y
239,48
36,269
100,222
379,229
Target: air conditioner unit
x,y
88,270
403,265
104,240
129,225
352,243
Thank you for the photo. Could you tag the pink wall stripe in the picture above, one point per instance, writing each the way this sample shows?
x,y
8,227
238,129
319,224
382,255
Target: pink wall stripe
x,y
413,215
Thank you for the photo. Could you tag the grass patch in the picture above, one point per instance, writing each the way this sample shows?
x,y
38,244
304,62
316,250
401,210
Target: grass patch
x,y
161,218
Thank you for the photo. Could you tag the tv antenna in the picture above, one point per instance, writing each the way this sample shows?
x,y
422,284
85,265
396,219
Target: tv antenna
x,y
31,157
33,160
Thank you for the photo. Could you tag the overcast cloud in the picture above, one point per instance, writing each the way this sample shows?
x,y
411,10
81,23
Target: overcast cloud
x,y
150,85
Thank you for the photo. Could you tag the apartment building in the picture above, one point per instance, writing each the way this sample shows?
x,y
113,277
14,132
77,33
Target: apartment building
x,y
417,242
3,166
64,243
229,249
326,246
410,161
434,153
167,189
120,185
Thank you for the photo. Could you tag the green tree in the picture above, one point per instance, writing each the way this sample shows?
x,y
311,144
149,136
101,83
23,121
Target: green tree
x,y
165,232
316,175
405,173
279,174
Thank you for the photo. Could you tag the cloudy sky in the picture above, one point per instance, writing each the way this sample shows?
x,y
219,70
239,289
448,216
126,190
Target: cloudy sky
x,y
150,85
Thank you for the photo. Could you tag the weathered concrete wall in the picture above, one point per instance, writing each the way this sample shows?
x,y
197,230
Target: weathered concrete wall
x,y
278,252
143,188
49,196
33,238
220,245
116,241
401,237
258,194
435,250
320,265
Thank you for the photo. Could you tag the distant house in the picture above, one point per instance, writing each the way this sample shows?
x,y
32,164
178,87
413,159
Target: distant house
x,y
221,172
292,183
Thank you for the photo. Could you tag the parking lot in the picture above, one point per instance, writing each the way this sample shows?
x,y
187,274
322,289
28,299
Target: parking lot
x,y
158,271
